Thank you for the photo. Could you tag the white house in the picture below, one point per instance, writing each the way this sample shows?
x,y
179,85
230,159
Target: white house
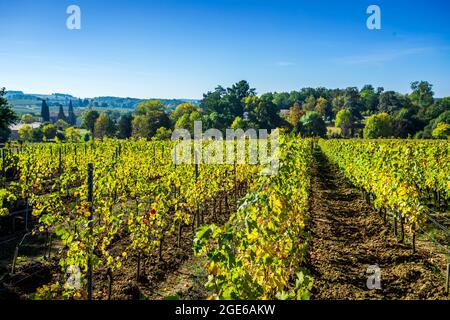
x,y
15,129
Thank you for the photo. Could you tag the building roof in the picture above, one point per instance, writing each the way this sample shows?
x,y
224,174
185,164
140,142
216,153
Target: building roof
x,y
16,127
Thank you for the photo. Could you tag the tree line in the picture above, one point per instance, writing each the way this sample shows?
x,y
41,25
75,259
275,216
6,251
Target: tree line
x,y
351,112
369,112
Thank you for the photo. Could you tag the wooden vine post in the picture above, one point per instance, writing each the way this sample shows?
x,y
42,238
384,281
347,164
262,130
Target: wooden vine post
x,y
447,279
394,222
196,180
110,282
402,228
90,199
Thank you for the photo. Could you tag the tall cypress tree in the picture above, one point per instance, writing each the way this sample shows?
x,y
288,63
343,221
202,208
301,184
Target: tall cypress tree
x,y
72,118
45,112
61,115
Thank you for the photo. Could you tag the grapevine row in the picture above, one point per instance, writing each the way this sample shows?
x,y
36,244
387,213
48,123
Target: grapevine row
x,y
260,251
400,174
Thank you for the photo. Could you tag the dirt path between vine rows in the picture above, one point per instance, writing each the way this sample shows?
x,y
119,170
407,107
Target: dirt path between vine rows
x,y
348,236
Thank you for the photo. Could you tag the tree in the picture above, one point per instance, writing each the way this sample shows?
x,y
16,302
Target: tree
x,y
180,110
27,118
295,97
60,136
369,99
422,94
61,125
150,116
442,131
282,100
238,123
113,114
26,132
61,115
215,120
391,101
227,104
213,101
89,119
405,123
72,118
313,125
72,134
310,104
437,109
187,121
162,134
104,126
45,112
37,135
184,116
378,126
323,107
443,118
262,112
141,127
344,121
235,97
49,131
7,117
125,126
337,104
295,113
352,102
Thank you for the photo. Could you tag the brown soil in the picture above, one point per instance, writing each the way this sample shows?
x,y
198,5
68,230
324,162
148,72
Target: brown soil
x,y
348,236
178,275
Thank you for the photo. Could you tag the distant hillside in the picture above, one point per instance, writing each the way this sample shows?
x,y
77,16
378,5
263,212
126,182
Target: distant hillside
x,y
28,102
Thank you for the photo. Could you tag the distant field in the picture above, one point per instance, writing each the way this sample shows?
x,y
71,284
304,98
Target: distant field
x,y
23,104
36,109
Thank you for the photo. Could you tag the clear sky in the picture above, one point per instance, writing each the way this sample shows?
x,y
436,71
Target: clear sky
x,y
181,49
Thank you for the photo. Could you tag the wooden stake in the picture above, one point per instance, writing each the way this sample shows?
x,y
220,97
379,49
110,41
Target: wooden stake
x,y
179,234
447,279
110,280
90,199
395,224
161,248
402,226
138,270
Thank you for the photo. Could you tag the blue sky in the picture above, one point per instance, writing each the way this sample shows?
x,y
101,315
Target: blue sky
x,y
181,49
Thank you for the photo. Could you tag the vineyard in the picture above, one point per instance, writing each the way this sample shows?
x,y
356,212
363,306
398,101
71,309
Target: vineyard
x,y
111,219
